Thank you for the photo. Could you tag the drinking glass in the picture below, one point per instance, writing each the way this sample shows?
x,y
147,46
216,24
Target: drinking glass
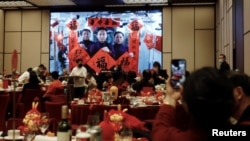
x,y
93,120
29,136
44,125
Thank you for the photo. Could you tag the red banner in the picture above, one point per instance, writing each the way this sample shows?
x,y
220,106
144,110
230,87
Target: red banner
x,y
134,43
158,45
14,60
101,61
104,22
77,53
126,62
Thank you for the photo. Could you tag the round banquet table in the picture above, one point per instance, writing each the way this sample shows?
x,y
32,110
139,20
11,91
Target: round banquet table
x,y
79,113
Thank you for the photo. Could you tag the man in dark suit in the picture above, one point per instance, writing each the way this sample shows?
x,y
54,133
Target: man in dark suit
x,y
224,66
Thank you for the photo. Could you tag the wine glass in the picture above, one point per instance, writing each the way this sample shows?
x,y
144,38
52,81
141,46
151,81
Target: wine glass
x,y
29,136
44,124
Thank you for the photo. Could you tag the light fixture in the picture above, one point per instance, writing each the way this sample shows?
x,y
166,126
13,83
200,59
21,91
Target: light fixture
x,y
125,5
192,4
52,2
12,3
145,1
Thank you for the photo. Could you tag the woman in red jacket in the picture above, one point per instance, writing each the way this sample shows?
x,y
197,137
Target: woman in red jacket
x,y
207,98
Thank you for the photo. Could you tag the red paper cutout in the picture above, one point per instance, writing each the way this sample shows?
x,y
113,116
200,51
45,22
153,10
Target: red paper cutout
x,y
126,62
149,40
135,25
78,53
101,61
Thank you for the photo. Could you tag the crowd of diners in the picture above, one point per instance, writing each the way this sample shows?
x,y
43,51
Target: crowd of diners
x,y
208,102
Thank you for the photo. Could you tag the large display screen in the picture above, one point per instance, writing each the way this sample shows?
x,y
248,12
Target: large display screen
x,y
103,39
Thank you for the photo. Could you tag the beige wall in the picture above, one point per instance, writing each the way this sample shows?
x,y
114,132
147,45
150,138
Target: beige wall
x,y
246,36
224,30
1,38
188,32
28,33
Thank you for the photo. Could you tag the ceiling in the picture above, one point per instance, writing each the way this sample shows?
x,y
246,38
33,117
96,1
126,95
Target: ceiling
x,y
42,4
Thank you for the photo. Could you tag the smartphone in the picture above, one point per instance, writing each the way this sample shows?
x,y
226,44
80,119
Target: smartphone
x,y
178,72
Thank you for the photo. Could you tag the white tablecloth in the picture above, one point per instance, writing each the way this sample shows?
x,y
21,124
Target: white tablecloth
x,y
47,138
44,138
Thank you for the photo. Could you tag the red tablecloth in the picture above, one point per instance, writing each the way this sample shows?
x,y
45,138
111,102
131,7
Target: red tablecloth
x,y
79,113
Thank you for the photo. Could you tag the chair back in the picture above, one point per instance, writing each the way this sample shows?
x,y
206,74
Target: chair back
x,y
12,103
30,95
61,98
54,110
4,100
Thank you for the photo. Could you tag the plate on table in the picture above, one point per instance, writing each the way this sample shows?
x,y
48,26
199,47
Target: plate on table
x,y
11,138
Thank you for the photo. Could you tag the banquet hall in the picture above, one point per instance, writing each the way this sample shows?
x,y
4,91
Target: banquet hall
x,y
51,36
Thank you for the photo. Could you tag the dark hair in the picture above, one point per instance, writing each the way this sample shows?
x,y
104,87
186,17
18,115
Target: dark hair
x,y
240,79
101,28
29,69
108,76
55,74
78,60
131,77
85,29
122,77
223,55
209,98
41,66
146,74
118,32
157,64
33,78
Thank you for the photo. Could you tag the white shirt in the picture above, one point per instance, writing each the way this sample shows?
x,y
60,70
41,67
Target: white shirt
x,y
25,76
81,72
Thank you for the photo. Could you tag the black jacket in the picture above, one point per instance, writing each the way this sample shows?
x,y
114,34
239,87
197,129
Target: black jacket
x,y
224,67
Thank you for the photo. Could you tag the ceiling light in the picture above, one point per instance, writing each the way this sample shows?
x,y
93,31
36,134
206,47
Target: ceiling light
x,y
52,2
14,4
144,1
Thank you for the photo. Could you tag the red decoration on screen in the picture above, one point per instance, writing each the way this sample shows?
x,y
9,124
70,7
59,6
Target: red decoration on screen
x,y
135,25
158,45
104,22
73,24
125,61
78,53
149,40
134,44
101,61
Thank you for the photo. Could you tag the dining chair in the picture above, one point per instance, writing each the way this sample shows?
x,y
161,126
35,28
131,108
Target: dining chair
x,y
12,103
54,110
29,96
4,99
61,98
